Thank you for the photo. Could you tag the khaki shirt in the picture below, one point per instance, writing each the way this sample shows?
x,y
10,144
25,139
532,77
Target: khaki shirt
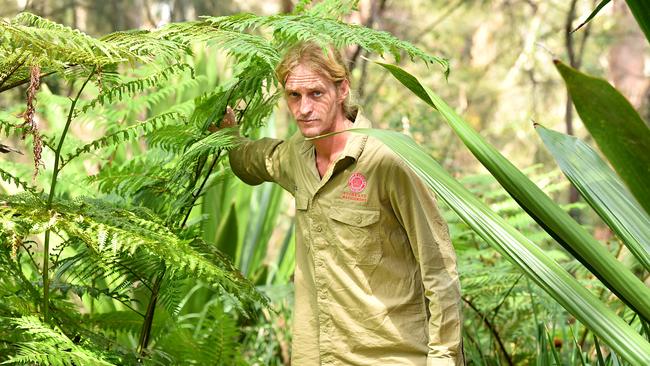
x,y
375,280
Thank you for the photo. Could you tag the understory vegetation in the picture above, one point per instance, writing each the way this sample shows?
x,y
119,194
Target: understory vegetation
x,y
126,239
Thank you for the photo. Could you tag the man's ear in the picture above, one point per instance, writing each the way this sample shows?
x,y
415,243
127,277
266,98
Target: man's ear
x,y
343,90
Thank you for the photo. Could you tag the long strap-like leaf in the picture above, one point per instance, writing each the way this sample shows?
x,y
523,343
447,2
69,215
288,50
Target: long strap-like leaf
x,y
604,191
547,213
549,275
641,11
615,125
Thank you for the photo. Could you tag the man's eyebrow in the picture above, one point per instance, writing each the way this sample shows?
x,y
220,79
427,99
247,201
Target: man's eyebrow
x,y
309,88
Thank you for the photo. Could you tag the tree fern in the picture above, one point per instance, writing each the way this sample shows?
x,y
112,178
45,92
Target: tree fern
x,y
8,177
49,346
128,133
135,245
130,88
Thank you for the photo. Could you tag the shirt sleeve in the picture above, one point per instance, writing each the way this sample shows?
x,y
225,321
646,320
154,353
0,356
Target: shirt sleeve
x,y
263,160
415,206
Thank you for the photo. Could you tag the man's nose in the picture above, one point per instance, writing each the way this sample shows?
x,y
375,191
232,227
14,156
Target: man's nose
x,y
305,106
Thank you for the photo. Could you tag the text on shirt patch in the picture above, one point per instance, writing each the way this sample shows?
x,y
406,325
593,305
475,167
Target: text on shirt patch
x,y
353,196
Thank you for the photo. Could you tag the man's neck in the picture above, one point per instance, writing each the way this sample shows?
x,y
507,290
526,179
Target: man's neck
x,y
329,148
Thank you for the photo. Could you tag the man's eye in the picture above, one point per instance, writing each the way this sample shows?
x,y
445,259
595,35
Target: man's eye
x,y
317,93
294,94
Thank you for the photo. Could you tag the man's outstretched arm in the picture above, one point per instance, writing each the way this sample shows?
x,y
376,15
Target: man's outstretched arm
x,y
255,162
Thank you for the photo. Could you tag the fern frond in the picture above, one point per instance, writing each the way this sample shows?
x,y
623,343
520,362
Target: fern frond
x,y
146,102
222,139
49,346
61,44
308,27
102,267
135,175
116,321
147,45
130,88
171,293
213,340
128,133
30,40
9,129
174,138
328,9
85,218
8,177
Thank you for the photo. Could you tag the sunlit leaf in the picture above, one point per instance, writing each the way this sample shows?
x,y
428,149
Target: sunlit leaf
x,y
593,14
549,275
617,128
547,213
604,191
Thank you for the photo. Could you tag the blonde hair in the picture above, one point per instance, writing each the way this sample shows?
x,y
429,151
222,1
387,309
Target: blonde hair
x,y
326,61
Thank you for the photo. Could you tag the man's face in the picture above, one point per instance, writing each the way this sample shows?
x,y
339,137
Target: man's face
x,y
314,101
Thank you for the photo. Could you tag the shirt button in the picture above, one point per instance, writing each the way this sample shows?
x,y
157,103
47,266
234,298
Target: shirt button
x,y
322,296
359,220
319,229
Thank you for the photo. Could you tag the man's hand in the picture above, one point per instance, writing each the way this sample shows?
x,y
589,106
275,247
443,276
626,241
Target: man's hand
x,y
227,121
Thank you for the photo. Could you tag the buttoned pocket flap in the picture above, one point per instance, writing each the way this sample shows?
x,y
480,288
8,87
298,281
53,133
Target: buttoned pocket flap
x,y
354,216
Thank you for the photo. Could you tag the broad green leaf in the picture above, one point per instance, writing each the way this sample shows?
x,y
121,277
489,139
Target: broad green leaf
x,y
617,128
549,275
593,14
641,11
547,213
227,234
604,191
286,262
267,200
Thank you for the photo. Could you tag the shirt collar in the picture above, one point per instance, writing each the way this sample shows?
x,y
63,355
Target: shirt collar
x,y
356,141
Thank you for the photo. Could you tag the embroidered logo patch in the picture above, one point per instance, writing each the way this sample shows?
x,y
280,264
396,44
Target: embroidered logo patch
x,y
357,182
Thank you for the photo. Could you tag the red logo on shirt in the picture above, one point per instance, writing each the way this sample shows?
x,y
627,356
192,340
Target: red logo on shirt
x,y
357,182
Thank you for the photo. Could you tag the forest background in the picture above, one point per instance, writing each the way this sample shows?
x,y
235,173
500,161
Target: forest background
x,y
502,79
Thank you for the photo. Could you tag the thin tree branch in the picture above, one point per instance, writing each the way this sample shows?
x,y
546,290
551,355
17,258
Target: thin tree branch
x,y
23,81
55,174
492,329
196,195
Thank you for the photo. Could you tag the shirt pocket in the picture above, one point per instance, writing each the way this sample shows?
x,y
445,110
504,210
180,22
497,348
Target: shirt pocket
x,y
357,234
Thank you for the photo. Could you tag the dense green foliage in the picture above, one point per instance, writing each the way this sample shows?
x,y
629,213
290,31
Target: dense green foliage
x,y
142,261
132,255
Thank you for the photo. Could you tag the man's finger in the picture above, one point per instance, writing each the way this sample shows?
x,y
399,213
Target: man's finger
x,y
229,119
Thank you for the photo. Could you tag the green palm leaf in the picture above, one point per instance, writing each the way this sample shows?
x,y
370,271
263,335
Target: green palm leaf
x,y
641,11
547,213
549,275
617,128
604,191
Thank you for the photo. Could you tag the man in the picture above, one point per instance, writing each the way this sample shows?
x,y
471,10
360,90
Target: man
x,y
375,280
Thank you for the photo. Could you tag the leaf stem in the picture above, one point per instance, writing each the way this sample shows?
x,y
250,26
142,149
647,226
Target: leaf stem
x,y
196,195
48,207
145,333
